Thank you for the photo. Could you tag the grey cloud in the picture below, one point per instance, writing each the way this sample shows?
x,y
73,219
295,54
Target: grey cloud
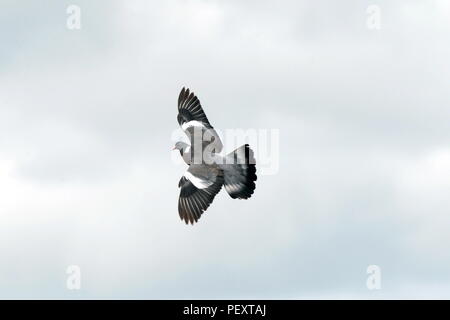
x,y
86,177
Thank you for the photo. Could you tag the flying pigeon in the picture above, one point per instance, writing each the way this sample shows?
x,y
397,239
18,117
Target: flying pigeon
x,y
208,169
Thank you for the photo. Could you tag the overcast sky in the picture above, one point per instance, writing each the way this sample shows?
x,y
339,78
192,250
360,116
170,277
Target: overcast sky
x,y
86,171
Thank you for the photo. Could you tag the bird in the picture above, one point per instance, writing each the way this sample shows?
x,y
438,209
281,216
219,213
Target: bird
x,y
208,170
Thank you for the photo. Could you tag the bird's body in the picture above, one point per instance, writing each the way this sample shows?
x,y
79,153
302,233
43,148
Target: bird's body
x,y
208,169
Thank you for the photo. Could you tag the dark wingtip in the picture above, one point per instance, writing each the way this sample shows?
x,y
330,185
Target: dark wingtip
x,y
180,97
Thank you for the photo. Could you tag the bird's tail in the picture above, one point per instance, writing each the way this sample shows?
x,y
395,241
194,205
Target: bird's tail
x,y
240,173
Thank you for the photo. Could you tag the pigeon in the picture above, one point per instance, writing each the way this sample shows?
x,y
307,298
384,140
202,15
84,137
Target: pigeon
x,y
208,169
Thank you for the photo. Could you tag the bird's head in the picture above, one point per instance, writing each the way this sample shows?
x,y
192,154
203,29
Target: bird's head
x,y
180,146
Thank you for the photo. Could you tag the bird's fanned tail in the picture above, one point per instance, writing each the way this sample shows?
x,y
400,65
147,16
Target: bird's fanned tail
x,y
240,173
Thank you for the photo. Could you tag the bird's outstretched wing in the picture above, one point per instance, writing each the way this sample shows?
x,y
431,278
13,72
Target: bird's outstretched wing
x,y
190,109
195,124
198,186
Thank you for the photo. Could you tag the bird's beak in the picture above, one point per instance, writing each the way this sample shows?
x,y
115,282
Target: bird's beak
x,y
173,148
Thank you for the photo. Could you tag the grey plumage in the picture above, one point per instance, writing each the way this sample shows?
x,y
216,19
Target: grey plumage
x,y
240,176
208,170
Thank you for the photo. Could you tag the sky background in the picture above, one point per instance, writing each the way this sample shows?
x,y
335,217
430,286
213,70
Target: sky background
x,y
87,176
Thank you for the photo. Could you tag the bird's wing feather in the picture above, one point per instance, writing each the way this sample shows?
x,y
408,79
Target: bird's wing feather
x,y
194,201
195,124
190,109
